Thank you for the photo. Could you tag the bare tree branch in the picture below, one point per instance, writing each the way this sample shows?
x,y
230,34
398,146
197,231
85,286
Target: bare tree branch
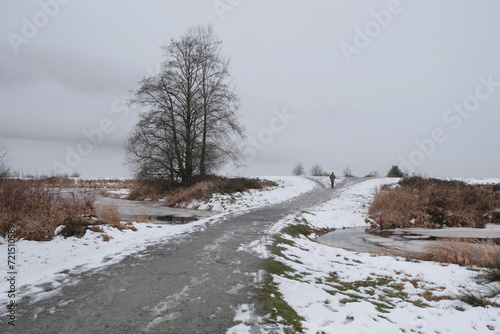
x,y
189,127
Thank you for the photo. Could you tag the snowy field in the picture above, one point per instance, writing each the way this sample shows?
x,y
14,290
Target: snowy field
x,y
334,290
338,291
55,262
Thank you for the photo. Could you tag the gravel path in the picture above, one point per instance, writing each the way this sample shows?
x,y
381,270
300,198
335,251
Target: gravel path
x,y
191,285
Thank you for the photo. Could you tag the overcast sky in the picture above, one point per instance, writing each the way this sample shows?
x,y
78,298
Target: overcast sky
x,y
364,84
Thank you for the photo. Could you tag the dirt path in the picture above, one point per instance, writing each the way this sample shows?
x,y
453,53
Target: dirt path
x,y
191,285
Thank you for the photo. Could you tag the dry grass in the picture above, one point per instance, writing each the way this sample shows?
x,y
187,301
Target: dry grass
x,y
432,203
37,210
142,190
463,252
142,218
202,191
398,206
66,182
108,213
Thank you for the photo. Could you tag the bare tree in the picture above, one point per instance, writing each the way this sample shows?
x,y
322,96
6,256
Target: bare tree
x,y
189,127
298,170
317,170
4,162
347,172
218,101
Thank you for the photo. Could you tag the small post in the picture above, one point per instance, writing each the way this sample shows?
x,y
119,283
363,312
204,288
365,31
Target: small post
x,y
380,220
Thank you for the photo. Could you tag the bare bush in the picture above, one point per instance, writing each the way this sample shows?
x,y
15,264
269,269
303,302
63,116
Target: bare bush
x,y
348,172
317,170
298,170
37,210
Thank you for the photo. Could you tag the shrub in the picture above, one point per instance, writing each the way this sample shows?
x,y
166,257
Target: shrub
x,y
348,172
474,298
37,210
395,172
299,169
493,269
108,214
399,208
434,203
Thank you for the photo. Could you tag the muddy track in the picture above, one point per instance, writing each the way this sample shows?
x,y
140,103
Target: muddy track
x,y
191,285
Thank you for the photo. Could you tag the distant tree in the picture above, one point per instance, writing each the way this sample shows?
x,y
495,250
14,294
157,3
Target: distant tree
x,y
4,162
298,170
347,172
395,172
317,170
190,127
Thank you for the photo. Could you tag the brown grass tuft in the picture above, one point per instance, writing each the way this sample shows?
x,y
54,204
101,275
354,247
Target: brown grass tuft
x,y
463,252
108,213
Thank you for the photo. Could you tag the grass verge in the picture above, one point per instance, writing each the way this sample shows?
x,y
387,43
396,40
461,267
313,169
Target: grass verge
x,y
270,299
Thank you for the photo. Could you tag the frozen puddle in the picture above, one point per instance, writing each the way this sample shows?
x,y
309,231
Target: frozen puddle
x,y
361,239
156,211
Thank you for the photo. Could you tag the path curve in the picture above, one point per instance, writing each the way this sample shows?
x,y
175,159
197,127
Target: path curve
x,y
193,284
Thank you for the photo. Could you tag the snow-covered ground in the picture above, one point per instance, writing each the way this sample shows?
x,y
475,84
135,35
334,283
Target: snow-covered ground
x,y
289,187
339,291
56,261
334,290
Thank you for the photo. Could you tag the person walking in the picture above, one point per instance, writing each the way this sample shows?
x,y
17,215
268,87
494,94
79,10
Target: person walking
x,y
332,179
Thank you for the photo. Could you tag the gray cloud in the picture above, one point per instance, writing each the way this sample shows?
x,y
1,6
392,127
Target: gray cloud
x,y
368,113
